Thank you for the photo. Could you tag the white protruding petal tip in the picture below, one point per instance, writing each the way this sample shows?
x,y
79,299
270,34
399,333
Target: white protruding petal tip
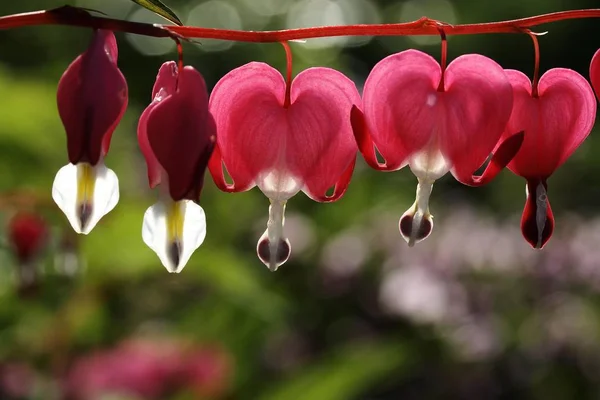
x,y
84,215
273,253
174,253
416,223
273,248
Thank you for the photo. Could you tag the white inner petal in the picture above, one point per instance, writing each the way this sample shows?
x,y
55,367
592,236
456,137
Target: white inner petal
x,y
278,184
156,235
429,164
104,198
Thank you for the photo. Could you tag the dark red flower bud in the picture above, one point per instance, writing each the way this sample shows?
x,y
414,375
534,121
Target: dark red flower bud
x,y
27,234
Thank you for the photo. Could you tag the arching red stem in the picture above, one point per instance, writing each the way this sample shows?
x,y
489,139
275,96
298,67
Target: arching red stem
x,y
74,16
444,58
536,68
288,76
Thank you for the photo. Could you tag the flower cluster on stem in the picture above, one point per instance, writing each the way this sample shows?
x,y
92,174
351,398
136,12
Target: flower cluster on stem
x,y
286,134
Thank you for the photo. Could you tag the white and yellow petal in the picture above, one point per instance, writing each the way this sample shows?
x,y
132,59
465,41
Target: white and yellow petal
x,y
85,194
174,230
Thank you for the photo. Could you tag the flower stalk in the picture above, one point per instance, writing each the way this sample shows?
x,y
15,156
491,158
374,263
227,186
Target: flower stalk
x,y
74,16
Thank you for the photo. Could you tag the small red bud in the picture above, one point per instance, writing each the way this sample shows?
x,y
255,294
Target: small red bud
x,y
27,234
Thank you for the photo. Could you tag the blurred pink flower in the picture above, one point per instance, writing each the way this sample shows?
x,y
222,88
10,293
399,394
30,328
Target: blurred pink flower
x,y
148,369
16,380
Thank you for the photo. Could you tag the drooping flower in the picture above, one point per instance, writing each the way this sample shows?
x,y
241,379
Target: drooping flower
x,y
91,98
283,139
556,119
176,134
435,121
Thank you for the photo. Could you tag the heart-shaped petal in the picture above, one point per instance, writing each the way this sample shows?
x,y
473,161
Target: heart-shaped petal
x,y
165,85
455,128
91,98
399,96
307,146
595,72
247,104
321,146
181,133
555,123
479,103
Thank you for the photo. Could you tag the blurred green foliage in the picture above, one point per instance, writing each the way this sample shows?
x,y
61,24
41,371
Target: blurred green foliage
x,y
316,329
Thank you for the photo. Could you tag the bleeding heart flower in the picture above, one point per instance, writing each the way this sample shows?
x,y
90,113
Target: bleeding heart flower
x,y
283,139
436,121
556,120
92,97
176,134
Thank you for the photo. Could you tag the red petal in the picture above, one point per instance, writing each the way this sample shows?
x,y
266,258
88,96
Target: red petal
x,y
364,140
311,141
537,224
500,158
555,123
165,85
92,97
340,187
395,98
321,146
215,166
181,134
478,102
595,72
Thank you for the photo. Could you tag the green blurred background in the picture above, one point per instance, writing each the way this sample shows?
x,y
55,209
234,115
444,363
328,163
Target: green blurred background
x,y
471,313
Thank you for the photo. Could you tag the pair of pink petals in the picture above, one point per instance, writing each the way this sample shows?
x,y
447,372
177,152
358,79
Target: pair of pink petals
x,y
405,113
307,146
309,143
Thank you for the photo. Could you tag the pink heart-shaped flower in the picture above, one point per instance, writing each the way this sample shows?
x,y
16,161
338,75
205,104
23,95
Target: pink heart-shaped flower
x,y
555,122
407,114
307,146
